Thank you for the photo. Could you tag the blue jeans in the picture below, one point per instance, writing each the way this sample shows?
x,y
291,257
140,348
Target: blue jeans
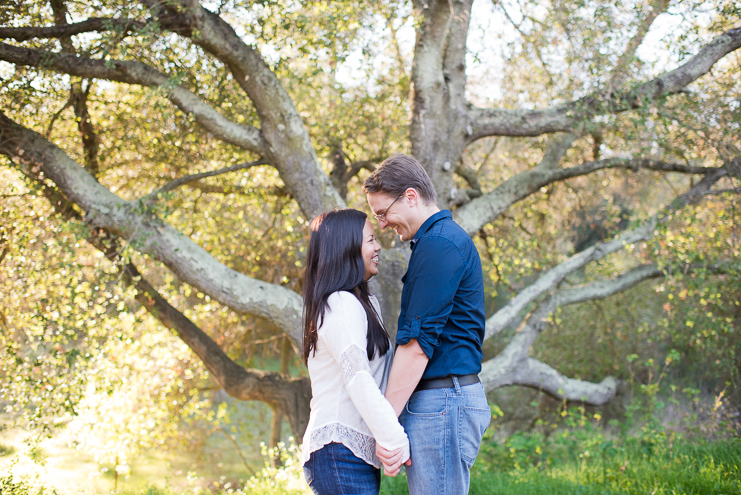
x,y
334,470
445,427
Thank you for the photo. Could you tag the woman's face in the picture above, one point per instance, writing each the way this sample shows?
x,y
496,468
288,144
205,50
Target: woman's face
x,y
370,251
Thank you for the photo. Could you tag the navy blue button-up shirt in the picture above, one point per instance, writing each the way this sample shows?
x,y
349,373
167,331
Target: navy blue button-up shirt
x,y
442,303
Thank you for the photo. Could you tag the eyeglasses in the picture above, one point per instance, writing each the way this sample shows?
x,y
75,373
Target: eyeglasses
x,y
381,217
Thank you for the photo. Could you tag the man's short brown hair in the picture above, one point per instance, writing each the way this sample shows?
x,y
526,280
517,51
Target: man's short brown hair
x,y
398,173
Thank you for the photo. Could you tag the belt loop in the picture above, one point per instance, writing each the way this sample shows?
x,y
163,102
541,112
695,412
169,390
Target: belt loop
x,y
457,386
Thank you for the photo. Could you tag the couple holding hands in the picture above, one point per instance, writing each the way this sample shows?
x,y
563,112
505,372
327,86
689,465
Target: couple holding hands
x,y
419,403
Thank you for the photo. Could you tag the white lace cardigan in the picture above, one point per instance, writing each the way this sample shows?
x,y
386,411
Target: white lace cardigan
x,y
347,404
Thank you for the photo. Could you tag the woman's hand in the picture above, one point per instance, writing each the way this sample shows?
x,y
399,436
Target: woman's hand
x,y
391,460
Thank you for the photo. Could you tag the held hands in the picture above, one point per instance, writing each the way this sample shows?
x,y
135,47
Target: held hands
x,y
391,460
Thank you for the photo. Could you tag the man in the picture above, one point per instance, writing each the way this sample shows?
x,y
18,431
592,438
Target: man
x,y
433,384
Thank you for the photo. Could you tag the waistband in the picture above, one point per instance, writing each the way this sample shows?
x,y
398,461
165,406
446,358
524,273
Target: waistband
x,y
447,382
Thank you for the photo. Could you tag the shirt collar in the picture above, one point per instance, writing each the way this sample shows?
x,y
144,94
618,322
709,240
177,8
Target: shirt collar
x,y
428,225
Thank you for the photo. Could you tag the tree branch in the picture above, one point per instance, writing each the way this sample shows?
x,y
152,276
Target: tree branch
x,y
195,177
95,24
536,374
288,145
149,234
514,366
129,72
596,290
555,275
474,215
291,395
567,117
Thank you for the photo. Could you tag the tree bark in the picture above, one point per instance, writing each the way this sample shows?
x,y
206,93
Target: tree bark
x,y
439,107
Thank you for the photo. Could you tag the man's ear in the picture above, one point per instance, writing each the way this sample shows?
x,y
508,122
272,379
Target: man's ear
x,y
412,197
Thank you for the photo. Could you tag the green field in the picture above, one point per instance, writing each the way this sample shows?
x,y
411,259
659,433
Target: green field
x,y
681,468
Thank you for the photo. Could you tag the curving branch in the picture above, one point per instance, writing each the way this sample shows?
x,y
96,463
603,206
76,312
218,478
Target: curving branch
x,y
596,290
567,117
514,366
550,279
530,372
196,177
290,395
129,72
95,24
288,145
477,213
150,235
471,177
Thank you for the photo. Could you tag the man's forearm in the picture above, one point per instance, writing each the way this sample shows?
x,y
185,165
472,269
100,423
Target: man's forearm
x,y
406,371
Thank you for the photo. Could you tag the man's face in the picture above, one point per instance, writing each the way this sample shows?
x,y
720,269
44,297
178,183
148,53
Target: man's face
x,y
394,212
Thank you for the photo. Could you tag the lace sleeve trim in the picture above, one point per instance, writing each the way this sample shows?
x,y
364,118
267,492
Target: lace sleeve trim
x,y
353,361
360,444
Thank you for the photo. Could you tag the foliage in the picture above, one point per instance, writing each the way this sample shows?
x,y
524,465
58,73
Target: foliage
x,y
10,486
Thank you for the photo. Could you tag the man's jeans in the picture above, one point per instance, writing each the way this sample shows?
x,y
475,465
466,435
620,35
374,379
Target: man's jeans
x,y
445,427
334,470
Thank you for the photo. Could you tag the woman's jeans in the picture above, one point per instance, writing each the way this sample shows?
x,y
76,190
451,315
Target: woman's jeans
x,y
334,470
445,427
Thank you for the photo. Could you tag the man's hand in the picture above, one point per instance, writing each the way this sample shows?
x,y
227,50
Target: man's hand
x,y
391,460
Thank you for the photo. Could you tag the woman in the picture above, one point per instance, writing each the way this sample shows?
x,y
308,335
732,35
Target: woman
x,y
348,353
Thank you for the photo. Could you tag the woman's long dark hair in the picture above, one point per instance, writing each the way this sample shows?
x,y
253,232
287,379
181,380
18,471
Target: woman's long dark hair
x,y
335,262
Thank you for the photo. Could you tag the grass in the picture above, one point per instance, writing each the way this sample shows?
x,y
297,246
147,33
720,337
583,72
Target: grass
x,y
681,468
706,468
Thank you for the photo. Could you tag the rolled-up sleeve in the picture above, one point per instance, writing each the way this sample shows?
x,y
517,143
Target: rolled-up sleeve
x,y
434,273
